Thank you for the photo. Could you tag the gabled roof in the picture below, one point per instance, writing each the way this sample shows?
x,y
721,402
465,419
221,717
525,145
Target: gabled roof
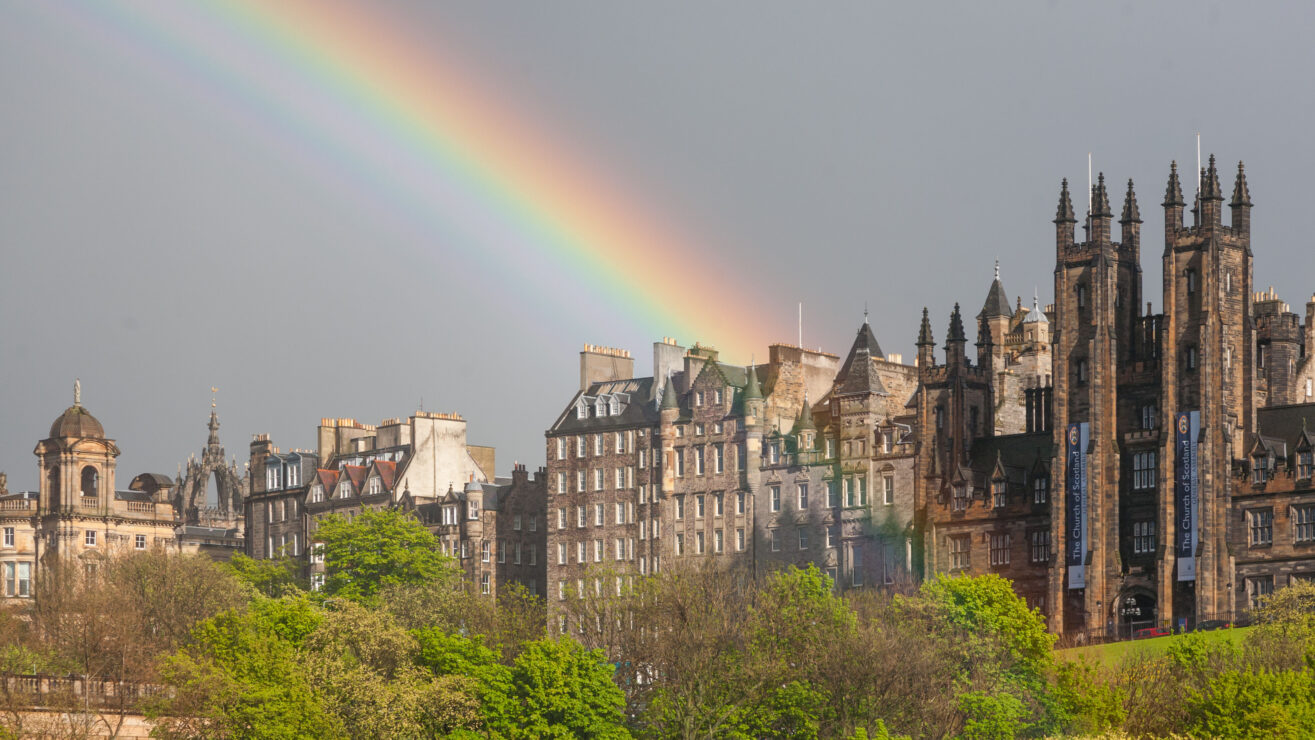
x,y
356,474
327,478
639,411
387,471
1020,452
1285,423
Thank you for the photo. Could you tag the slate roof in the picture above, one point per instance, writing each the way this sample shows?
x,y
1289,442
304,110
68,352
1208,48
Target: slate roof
x,y
387,473
1280,428
857,375
640,410
997,303
1019,453
328,478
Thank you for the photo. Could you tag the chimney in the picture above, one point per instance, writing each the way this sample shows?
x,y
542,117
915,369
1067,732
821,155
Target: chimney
x,y
601,364
668,359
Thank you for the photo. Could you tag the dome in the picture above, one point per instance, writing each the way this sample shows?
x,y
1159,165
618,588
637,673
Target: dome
x,y
77,422
474,487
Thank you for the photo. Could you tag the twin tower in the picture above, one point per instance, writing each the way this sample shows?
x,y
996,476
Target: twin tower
x,y
1100,509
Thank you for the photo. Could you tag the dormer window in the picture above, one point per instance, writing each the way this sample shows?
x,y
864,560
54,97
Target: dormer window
x,y
960,499
375,486
1259,469
1305,464
316,493
294,476
1040,489
998,493
613,406
344,489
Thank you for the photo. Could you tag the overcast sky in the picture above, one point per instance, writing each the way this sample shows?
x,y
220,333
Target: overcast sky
x,y
160,236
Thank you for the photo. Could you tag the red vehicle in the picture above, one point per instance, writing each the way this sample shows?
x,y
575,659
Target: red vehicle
x,y
1146,632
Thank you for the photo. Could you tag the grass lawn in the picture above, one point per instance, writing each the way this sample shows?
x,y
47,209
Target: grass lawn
x,y
1111,653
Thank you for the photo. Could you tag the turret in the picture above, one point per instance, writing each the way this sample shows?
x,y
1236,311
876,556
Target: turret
x,y
926,345
1064,219
804,429
1241,203
1130,221
1212,196
754,405
955,341
1101,216
1173,202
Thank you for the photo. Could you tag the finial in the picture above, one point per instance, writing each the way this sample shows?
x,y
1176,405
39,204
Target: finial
x,y
213,391
1036,300
1173,192
997,268
77,392
865,312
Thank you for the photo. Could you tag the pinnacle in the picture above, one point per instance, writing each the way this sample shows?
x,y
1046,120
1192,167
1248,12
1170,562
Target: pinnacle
x,y
1241,194
1131,214
1173,193
1064,214
924,332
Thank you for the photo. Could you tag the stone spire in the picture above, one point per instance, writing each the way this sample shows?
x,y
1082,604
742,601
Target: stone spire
x,y
924,332
1100,199
1173,192
804,422
1130,212
1241,195
997,299
956,333
1210,184
1064,214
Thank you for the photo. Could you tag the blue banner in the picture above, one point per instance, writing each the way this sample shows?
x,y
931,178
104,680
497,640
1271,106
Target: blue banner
x,y
1186,484
1075,512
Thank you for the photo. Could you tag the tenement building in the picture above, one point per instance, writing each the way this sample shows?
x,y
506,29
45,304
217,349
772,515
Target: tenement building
x,y
1160,472
493,526
801,460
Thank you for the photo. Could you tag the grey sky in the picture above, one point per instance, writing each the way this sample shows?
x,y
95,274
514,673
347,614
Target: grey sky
x,y
157,239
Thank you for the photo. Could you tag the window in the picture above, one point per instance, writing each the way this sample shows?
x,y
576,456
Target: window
x,y
998,494
600,515
1143,470
580,554
598,479
1261,527
465,549
9,537
581,518
561,553
620,478
832,537
1082,295
698,398
484,583
680,431
1258,588
375,487
739,502
739,539
680,544
680,507
803,496
643,459
1149,416
316,493
561,517
1040,489
718,458
698,543
90,538
803,539
317,553
775,541
1143,537
679,460
856,565
832,494
830,448
620,548
1082,371
1259,470
887,441
698,460
774,453
717,397
718,427
1040,546
598,551
579,445
960,502
1190,357
1000,549
317,582
472,510
1191,281
718,504
775,493
888,495
620,513
699,505
561,448
958,546
1303,523
598,444
534,523
484,551
699,430
1305,464
579,481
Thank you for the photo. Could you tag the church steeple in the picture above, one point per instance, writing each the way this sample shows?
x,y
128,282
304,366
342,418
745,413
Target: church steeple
x,y
1241,203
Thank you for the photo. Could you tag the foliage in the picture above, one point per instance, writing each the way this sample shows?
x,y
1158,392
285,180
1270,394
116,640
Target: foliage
x,y
377,550
565,691
992,716
272,577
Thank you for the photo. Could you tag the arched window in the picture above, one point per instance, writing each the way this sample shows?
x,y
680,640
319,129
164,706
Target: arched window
x,y
52,484
90,481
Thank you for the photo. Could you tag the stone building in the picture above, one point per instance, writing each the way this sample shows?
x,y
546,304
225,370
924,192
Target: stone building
x,y
1143,422
79,512
801,460
423,464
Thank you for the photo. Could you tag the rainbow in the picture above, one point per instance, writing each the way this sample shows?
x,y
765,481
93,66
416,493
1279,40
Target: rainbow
x,y
400,123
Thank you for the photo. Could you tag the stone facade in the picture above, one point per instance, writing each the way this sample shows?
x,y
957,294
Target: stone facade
x,y
992,491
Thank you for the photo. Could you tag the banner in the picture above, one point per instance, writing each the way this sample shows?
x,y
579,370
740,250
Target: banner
x,y
1186,483
1075,515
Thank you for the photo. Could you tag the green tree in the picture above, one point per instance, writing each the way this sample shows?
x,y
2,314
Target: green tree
x,y
377,550
565,691
268,577
239,679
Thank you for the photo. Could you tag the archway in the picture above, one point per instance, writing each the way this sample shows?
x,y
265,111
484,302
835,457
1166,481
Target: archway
x,y
90,481
1136,609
